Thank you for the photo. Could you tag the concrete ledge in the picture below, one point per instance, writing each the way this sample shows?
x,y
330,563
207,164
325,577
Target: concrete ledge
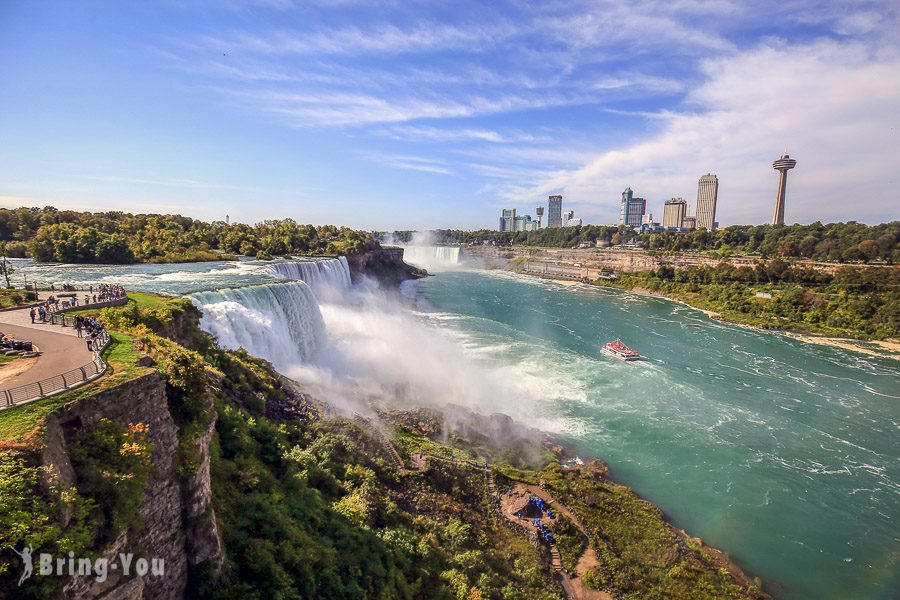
x,y
116,302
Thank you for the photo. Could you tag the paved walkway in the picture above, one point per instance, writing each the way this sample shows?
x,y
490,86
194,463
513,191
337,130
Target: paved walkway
x,y
22,318
61,349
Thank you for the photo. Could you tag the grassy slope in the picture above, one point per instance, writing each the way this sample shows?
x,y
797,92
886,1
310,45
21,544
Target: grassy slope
x,y
640,553
22,422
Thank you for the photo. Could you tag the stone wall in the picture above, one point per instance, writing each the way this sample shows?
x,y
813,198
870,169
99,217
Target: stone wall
x,y
179,523
578,263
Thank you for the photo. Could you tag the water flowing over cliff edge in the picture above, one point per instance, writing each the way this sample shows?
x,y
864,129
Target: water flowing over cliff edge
x,y
280,322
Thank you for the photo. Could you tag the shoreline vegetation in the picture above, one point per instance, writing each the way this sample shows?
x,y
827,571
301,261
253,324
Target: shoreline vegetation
x,y
889,348
65,236
849,242
881,348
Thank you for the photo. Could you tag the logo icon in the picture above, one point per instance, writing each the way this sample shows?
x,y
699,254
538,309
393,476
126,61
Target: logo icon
x,y
27,567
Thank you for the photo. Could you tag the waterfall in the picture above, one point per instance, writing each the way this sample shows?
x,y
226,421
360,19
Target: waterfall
x,y
323,275
432,257
279,322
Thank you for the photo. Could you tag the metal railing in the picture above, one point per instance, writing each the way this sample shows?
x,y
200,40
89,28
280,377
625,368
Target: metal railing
x,y
58,317
58,383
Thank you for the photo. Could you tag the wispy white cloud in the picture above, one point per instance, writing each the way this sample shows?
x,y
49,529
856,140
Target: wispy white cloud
x,y
639,82
826,102
411,163
693,89
438,134
307,109
384,39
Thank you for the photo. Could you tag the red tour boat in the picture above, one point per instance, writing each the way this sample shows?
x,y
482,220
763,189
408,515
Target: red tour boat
x,y
620,350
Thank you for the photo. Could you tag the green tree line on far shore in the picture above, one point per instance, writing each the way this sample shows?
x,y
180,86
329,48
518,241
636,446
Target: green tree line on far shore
x,y
51,235
856,302
833,242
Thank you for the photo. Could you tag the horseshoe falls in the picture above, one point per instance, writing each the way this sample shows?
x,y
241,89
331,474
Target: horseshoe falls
x,y
432,258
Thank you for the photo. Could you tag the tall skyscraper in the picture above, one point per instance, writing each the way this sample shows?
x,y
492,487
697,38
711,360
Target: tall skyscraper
x,y
782,165
707,194
507,219
554,213
539,211
632,209
674,212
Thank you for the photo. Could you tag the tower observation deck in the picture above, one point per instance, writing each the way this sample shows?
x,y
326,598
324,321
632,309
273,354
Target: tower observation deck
x,y
782,165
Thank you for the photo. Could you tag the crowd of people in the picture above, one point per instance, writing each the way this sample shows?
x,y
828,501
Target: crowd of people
x,y
89,328
69,299
92,330
45,311
543,508
104,293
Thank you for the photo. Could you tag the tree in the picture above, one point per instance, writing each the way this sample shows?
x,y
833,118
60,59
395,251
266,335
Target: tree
x,y
6,269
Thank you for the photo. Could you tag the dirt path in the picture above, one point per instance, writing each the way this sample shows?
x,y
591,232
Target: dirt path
x,y
508,503
14,368
573,584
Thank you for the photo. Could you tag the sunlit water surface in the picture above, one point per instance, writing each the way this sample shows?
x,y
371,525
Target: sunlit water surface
x,y
783,453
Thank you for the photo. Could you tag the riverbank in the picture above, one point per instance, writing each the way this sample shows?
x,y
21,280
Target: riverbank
x,y
889,348
878,348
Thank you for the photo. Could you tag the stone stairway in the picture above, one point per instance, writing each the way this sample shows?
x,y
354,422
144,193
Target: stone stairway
x,y
492,486
555,560
388,446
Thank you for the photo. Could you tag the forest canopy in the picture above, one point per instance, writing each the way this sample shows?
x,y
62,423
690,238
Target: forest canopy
x,y
51,235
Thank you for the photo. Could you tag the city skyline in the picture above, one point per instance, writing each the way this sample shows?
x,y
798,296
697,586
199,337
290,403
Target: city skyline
x,y
410,115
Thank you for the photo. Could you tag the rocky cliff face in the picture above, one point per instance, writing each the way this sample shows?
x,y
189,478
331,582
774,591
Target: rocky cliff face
x,y
179,522
591,263
384,264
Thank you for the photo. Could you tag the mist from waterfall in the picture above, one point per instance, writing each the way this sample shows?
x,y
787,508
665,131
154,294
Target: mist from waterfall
x,y
279,322
353,345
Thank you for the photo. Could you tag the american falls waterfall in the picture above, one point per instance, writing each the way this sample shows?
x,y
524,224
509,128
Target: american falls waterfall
x,y
279,322
329,275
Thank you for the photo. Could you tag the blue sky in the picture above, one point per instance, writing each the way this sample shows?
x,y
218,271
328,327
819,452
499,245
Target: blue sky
x,y
414,114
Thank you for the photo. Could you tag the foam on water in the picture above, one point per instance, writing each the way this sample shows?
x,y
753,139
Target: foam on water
x,y
280,322
327,277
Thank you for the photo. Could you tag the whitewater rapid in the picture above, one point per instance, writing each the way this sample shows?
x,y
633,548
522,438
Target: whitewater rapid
x,y
322,276
280,322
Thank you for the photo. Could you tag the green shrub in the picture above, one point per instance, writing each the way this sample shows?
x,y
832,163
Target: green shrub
x,y
113,466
